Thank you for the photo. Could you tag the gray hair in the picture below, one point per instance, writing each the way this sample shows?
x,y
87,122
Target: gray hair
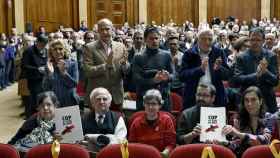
x,y
205,31
104,21
153,94
98,90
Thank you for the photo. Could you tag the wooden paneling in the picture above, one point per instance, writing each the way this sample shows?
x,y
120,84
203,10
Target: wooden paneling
x,y
51,13
275,8
162,11
119,11
241,9
6,16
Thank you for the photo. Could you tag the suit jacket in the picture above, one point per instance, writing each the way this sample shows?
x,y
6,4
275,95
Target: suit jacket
x,y
100,74
245,75
191,73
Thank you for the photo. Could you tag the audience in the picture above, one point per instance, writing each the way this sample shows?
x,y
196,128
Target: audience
x,y
208,65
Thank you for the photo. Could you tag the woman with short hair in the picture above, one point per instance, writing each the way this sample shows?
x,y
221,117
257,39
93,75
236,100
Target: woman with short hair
x,y
154,127
39,128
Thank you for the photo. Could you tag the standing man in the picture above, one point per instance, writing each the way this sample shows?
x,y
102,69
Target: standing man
x,y
204,63
34,63
105,62
152,69
258,67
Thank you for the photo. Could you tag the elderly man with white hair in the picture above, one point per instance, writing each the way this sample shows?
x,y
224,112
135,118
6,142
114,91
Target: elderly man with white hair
x,y
204,63
102,126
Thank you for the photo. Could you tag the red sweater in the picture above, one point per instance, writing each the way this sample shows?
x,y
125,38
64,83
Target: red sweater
x,y
161,134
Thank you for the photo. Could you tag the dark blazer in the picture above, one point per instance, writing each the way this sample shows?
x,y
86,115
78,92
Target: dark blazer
x,y
31,61
245,75
191,73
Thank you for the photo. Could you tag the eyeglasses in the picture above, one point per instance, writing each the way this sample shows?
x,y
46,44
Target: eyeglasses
x,y
203,95
151,103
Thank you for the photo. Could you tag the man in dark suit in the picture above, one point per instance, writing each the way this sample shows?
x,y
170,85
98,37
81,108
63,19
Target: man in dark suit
x,y
204,63
258,67
152,69
34,63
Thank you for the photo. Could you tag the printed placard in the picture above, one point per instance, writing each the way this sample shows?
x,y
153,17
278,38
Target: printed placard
x,y
212,121
68,123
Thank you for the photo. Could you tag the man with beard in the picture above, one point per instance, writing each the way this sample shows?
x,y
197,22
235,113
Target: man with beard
x,y
188,127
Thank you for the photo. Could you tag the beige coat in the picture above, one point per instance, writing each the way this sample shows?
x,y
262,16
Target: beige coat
x,y
99,74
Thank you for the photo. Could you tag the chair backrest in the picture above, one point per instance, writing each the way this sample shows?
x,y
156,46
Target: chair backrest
x,y
260,151
66,151
195,151
135,151
177,102
8,151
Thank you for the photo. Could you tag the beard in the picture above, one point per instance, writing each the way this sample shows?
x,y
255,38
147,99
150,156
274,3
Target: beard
x,y
201,103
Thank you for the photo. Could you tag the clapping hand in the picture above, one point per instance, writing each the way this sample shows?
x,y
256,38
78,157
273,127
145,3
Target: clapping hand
x,y
262,67
204,63
61,66
50,67
218,63
161,75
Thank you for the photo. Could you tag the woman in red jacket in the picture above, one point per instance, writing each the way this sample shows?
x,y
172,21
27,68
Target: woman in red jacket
x,y
154,127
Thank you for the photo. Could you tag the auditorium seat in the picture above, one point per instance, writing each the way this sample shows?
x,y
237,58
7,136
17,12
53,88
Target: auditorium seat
x,y
195,151
66,151
135,151
8,151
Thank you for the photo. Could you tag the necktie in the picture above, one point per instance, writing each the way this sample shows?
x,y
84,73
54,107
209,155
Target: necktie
x,y
99,122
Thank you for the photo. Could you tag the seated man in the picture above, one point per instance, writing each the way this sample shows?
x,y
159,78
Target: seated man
x,y
188,127
101,123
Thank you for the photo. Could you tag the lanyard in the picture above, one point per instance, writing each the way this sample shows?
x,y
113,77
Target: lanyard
x,y
273,148
55,149
208,151
124,149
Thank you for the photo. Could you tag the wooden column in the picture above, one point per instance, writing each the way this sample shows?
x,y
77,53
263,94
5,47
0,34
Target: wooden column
x,y
19,15
202,11
143,11
265,8
82,10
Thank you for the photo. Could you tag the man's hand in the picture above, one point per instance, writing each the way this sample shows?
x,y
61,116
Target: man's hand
x,y
164,75
204,63
175,60
196,131
262,67
218,63
42,69
124,60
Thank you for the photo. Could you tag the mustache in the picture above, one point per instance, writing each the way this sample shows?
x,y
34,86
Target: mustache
x,y
201,102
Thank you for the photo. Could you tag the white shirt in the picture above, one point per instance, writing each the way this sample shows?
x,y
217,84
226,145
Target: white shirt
x,y
119,133
206,78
